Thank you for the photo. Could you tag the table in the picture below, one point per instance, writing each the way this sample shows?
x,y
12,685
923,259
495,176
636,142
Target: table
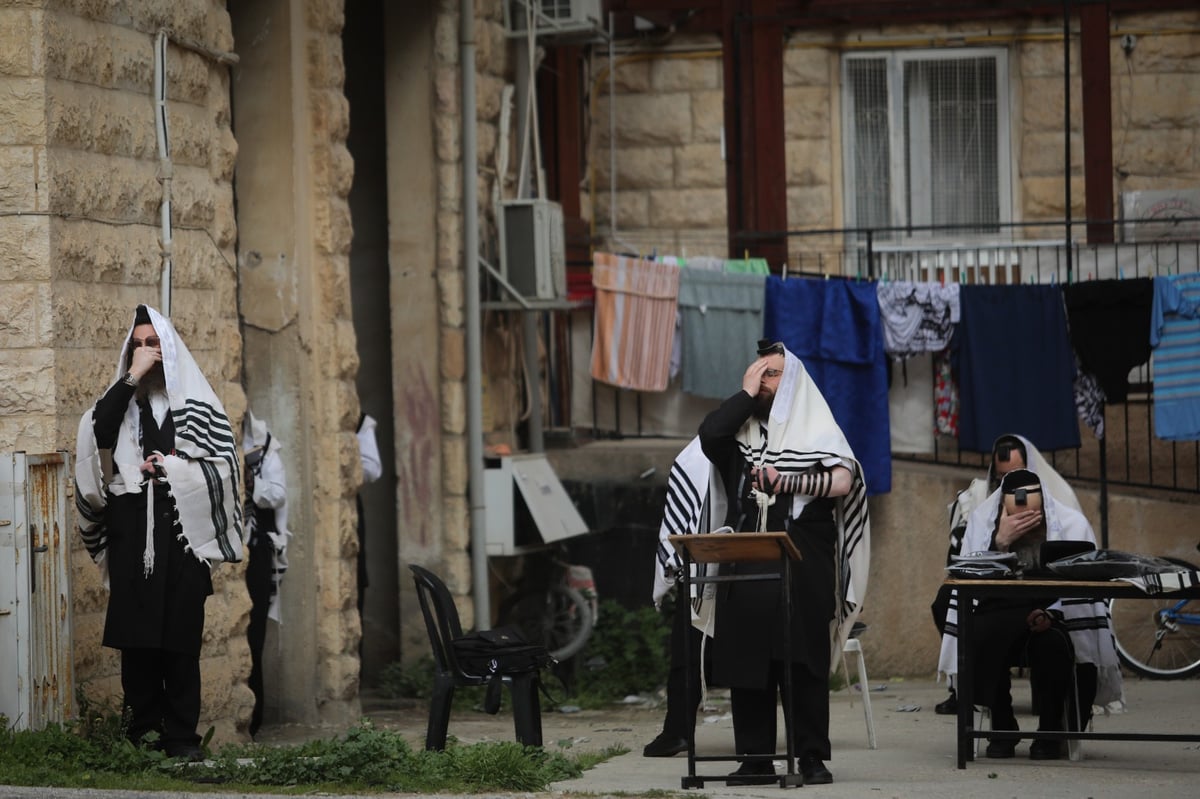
x,y
970,590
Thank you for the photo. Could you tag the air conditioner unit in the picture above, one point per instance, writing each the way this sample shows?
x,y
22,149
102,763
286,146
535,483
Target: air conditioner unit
x,y
555,16
533,256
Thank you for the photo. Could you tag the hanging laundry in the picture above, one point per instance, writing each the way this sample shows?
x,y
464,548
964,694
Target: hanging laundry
x,y
1109,322
945,395
747,266
1015,367
910,405
833,327
635,321
720,313
1175,338
1089,400
917,317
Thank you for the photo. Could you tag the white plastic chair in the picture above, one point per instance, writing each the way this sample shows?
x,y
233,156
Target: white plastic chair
x,y
853,647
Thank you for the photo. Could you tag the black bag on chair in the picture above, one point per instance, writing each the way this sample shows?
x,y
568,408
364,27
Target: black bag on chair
x,y
496,654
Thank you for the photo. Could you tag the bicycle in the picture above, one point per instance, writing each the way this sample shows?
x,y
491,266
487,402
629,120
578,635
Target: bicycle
x,y
1158,638
553,603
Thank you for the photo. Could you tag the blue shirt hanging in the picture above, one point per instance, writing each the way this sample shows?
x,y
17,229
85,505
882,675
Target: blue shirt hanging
x,y
833,327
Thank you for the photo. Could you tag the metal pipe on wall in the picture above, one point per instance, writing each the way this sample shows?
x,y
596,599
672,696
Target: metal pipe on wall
x,y
474,360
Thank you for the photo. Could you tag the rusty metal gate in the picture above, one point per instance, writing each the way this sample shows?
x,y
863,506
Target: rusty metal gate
x,y
36,658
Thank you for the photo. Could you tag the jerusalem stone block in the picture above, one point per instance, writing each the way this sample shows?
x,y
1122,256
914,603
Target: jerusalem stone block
x,y
190,131
647,119
1042,104
22,110
1159,152
1042,153
85,184
83,117
93,252
326,66
98,53
449,186
687,208
28,381
487,97
452,354
638,168
485,153
330,115
20,42
193,197
18,315
454,466
25,247
449,241
806,66
1045,59
806,112
189,76
708,116
672,73
456,525
19,178
445,39
223,149
1158,101
631,77
699,166
633,208
326,16
446,91
808,162
810,207
446,137
1163,54
1043,197
453,407
36,433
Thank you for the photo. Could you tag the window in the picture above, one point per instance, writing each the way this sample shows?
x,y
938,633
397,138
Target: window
x,y
926,141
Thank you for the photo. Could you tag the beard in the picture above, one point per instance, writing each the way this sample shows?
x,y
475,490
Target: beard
x,y
762,405
153,382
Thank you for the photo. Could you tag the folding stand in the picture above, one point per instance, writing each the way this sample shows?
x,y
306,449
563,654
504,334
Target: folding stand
x,y
740,548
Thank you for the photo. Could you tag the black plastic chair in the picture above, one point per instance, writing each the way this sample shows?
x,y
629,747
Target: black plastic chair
x,y
443,626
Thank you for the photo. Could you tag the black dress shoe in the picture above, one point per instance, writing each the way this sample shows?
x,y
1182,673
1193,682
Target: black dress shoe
x,y
752,774
665,745
1043,749
814,771
949,707
1001,748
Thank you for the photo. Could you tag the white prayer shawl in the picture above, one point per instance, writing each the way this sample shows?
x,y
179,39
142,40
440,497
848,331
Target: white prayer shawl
x,y
973,495
204,473
688,510
802,434
1087,622
270,491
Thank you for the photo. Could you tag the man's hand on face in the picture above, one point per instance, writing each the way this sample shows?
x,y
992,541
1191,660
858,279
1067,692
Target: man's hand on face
x,y
1014,526
144,359
752,380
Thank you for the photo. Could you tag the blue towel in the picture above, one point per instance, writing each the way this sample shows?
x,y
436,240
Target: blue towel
x,y
1175,336
1015,367
833,327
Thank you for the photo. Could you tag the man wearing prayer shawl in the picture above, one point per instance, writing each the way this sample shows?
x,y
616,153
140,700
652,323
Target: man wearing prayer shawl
x,y
784,464
1009,452
156,490
267,537
1058,636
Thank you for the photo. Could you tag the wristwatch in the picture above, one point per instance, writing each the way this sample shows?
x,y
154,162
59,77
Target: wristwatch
x,y
129,379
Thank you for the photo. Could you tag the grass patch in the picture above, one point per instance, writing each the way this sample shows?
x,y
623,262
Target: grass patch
x,y
93,753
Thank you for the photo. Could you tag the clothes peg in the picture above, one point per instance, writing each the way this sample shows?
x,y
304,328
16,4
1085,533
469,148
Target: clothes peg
x,y
784,271
1121,272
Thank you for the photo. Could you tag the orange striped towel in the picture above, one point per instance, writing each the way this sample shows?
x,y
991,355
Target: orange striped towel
x,y
636,303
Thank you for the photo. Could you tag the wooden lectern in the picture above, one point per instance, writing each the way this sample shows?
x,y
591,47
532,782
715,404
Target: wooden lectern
x,y
739,548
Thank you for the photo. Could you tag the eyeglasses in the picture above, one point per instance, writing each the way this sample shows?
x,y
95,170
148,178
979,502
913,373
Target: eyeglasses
x,y
151,341
772,372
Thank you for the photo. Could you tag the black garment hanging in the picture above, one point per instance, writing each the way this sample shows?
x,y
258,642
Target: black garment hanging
x,y
1109,324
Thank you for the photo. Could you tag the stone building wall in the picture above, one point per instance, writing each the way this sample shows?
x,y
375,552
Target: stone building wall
x,y
670,187
80,165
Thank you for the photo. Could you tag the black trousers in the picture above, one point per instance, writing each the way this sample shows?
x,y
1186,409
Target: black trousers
x,y
258,585
754,728
683,704
162,694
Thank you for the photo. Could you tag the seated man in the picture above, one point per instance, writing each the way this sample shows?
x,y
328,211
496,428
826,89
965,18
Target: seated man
x,y
1009,452
1055,635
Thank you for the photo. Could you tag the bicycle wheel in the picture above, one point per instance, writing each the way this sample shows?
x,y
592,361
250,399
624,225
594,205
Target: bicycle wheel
x,y
559,617
1153,640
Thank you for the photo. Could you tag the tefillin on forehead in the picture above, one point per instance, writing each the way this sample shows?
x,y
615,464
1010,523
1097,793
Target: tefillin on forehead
x,y
141,316
767,347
